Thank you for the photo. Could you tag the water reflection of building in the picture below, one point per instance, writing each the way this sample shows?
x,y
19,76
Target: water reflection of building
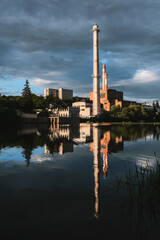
x,y
65,147
104,150
107,146
60,133
64,138
104,145
60,139
78,134
62,148
84,134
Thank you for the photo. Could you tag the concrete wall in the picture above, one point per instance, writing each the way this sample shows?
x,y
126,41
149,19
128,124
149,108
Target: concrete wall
x,y
68,120
49,91
33,118
65,93
60,93
28,115
85,109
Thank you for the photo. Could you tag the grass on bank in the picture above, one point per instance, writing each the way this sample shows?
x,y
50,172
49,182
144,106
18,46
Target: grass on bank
x,y
143,188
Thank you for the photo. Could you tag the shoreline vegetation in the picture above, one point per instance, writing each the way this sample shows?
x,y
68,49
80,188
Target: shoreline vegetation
x,y
143,190
123,123
11,108
134,115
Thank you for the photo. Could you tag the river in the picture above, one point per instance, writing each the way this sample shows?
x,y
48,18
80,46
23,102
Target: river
x,y
60,182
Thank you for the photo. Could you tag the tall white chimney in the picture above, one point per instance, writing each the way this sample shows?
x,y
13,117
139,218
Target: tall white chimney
x,y
95,76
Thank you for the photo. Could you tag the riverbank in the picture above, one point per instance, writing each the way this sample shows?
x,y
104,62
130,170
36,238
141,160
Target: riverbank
x,y
123,123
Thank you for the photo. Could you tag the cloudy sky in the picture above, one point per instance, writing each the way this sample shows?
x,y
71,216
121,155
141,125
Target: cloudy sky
x,y
49,42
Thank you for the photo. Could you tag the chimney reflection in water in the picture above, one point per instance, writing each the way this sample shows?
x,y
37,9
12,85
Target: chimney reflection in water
x,y
102,143
104,146
96,165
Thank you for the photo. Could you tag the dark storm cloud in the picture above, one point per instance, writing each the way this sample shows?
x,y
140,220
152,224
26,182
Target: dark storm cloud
x,y
52,40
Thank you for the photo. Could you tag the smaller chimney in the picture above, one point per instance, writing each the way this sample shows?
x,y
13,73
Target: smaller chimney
x,y
105,87
103,76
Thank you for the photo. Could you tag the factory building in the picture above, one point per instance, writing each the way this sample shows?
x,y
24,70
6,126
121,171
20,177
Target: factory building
x,y
85,109
50,91
65,93
102,96
60,93
105,97
110,97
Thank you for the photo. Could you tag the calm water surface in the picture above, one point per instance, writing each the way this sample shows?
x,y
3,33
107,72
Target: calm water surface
x,y
61,182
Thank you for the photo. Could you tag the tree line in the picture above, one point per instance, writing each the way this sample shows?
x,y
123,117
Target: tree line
x,y
132,113
28,102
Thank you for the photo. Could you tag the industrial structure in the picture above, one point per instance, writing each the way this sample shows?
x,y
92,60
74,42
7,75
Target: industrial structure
x,y
59,93
96,76
85,109
102,99
106,97
110,97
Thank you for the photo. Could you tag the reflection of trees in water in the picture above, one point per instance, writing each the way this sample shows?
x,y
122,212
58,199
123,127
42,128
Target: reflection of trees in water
x,y
28,143
30,137
156,133
131,132
27,155
19,137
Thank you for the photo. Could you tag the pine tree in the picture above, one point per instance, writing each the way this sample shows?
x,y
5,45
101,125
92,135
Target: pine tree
x,y
153,104
157,104
26,101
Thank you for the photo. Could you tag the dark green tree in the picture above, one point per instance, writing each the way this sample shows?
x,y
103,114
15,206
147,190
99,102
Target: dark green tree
x,y
157,104
38,101
26,100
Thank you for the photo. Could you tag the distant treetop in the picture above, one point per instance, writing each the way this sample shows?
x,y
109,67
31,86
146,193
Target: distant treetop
x,y
26,90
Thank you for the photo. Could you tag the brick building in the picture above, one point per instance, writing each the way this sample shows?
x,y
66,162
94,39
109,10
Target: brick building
x,y
110,97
